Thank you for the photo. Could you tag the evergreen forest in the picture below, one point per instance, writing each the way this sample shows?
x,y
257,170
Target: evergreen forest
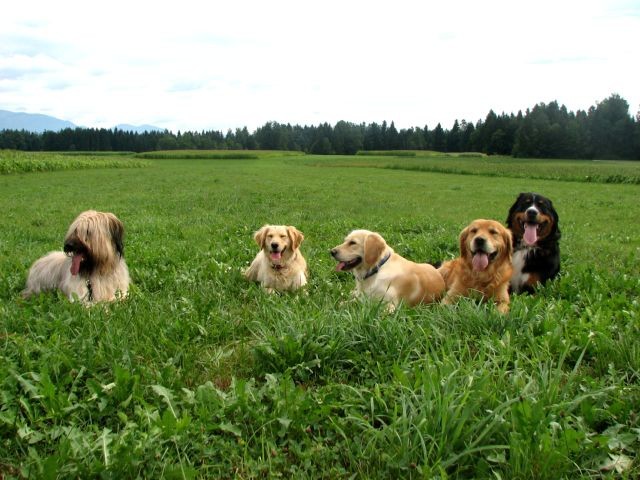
x,y
604,131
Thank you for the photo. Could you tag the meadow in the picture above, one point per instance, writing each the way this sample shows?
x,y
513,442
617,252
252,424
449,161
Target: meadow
x,y
200,374
598,171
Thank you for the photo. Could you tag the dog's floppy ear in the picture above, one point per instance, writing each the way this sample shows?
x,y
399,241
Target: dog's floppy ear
x,y
296,236
261,235
116,228
374,246
508,241
513,209
464,250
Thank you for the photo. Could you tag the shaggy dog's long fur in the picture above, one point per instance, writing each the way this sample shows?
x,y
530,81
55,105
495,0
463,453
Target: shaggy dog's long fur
x,y
91,267
279,265
533,222
484,266
383,274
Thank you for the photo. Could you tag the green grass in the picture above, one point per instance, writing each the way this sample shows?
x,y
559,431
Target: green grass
x,y
418,153
76,153
215,154
200,374
589,171
197,155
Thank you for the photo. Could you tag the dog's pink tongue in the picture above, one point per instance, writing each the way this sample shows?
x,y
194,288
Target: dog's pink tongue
x,y
530,233
75,263
480,261
276,255
340,266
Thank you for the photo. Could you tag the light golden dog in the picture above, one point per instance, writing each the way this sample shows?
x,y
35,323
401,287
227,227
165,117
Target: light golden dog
x,y
383,274
484,266
279,265
91,268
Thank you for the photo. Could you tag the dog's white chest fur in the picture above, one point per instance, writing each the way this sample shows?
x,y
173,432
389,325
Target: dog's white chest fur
x,y
518,277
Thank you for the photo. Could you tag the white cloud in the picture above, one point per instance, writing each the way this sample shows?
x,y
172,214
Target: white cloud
x,y
201,65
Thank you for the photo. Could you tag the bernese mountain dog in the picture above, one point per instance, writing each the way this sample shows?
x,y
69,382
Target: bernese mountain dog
x,y
536,253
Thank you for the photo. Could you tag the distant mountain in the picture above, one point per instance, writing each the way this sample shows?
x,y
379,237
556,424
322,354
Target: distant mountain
x,y
138,128
32,122
38,123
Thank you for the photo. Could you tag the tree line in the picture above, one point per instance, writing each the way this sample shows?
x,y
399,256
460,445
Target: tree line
x,y
604,131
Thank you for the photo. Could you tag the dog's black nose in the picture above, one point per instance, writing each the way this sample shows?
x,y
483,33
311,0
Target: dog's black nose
x,y
274,246
532,212
479,242
333,252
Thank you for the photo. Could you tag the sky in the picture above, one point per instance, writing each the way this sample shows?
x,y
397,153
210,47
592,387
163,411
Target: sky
x,y
210,65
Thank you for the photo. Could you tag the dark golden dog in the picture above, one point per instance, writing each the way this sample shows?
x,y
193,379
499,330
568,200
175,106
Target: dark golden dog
x,y
484,266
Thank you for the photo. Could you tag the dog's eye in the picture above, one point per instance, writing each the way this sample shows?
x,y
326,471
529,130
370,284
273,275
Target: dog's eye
x,y
352,242
283,236
493,232
473,231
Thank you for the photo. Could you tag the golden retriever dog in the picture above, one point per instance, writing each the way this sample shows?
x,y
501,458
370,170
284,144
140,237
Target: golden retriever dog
x,y
484,266
383,274
91,267
279,265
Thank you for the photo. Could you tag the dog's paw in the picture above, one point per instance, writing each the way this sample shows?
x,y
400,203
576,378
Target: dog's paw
x,y
503,308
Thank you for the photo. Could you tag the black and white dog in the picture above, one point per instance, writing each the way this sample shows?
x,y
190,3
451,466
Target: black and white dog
x,y
536,253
